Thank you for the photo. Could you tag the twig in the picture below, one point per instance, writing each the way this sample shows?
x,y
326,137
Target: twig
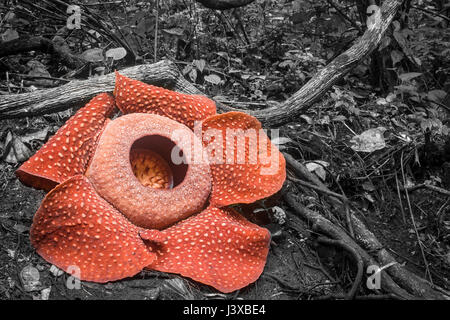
x,y
400,199
227,20
39,77
321,269
242,103
356,256
210,70
440,216
343,15
428,186
326,227
431,12
319,189
241,25
337,199
7,82
301,170
103,3
282,282
120,31
416,264
427,270
156,32
323,284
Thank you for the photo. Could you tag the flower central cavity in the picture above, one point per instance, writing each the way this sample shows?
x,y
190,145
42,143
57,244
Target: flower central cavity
x,y
151,169
152,164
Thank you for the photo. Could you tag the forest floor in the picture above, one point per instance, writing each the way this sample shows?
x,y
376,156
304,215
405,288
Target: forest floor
x,y
297,268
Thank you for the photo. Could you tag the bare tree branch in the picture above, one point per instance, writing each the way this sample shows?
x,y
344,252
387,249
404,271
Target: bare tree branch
x,y
315,88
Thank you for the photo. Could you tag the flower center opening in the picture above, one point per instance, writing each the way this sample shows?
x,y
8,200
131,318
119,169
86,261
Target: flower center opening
x,y
150,159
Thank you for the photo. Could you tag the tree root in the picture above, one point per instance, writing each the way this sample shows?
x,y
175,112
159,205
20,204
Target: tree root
x,y
324,226
359,263
78,92
411,285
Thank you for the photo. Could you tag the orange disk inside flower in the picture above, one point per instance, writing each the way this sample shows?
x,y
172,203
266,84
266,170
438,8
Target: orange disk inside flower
x,y
151,169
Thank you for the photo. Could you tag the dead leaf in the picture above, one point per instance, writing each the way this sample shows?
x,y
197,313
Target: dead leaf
x,y
179,287
406,77
29,276
213,78
37,69
200,64
368,186
279,215
369,141
45,294
7,149
174,31
21,151
15,150
92,55
20,228
116,53
318,167
40,136
9,35
436,95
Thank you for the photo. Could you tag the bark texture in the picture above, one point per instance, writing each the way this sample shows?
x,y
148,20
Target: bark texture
x,y
78,92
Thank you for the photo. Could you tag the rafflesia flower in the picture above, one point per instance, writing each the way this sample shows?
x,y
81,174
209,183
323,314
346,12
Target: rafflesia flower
x,y
151,189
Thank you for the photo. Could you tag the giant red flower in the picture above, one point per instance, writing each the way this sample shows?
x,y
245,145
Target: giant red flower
x,y
150,189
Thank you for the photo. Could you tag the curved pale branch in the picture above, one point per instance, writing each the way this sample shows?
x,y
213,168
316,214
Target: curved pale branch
x,y
78,92
315,88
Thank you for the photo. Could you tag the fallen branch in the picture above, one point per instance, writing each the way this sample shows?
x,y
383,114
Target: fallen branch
x,y
367,240
319,84
429,187
56,47
338,201
77,92
358,260
319,189
325,227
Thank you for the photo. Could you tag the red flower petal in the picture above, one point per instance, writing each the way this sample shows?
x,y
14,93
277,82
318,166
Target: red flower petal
x,y
246,168
67,153
217,247
134,96
76,229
